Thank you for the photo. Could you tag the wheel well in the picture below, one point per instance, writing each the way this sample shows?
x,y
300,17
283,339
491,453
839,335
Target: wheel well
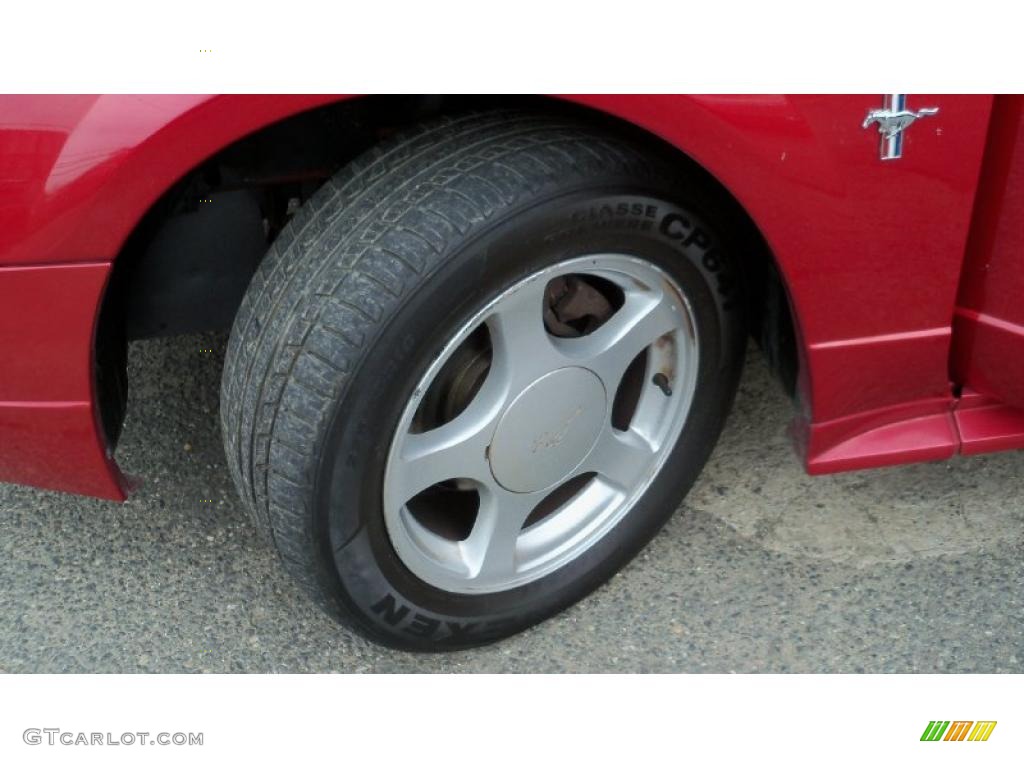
x,y
187,263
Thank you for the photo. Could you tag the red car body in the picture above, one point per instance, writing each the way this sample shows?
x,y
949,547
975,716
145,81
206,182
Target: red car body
x,y
904,278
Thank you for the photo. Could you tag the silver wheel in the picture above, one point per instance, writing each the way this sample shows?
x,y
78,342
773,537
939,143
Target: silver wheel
x,y
540,424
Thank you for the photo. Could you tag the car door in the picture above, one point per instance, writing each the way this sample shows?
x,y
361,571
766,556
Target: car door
x,y
988,338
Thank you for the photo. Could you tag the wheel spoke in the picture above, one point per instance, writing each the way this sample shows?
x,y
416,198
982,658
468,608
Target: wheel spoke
x,y
490,550
522,348
608,351
456,449
435,456
620,458
574,517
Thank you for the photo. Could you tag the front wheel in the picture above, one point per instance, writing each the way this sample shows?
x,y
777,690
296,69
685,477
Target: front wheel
x,y
478,372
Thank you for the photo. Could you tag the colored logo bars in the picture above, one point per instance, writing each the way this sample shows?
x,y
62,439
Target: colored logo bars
x,y
958,730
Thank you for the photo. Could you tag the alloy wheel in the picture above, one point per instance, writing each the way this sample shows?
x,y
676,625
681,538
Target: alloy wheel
x,y
540,424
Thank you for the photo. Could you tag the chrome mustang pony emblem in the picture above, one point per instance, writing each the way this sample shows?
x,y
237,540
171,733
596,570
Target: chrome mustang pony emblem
x,y
893,119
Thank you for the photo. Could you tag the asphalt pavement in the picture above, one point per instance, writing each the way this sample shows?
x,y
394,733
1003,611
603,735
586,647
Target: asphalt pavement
x,y
763,569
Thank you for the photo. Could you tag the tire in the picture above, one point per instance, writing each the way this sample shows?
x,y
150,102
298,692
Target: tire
x,y
362,293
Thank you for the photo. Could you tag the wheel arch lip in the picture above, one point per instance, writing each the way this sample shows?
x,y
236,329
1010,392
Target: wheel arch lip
x,y
84,171
101,163
763,150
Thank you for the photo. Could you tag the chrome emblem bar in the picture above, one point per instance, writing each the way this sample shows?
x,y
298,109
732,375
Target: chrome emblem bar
x,y
893,119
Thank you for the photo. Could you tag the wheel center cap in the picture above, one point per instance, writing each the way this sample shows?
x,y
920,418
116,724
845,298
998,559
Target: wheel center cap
x,y
547,431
